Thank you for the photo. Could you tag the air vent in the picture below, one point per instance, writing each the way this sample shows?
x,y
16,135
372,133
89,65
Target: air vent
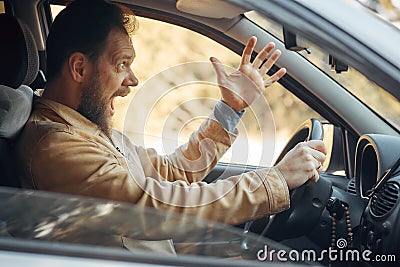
x,y
383,201
351,186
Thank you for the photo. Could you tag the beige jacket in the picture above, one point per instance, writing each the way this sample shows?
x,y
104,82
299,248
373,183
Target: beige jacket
x,y
60,150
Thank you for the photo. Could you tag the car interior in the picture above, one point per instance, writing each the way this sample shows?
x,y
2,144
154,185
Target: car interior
x,y
359,189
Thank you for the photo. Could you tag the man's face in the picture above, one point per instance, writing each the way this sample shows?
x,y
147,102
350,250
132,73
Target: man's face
x,y
110,77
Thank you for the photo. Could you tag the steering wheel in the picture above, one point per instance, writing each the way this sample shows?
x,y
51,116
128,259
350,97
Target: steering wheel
x,y
306,202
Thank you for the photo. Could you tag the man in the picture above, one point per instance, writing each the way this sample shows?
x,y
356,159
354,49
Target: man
x,y
68,146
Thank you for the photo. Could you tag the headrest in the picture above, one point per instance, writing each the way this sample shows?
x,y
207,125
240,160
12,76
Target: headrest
x,y
15,108
19,62
19,65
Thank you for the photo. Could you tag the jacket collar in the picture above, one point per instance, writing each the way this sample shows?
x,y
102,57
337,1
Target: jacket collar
x,y
67,114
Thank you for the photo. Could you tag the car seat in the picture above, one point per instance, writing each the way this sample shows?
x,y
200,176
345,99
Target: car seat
x,y
19,66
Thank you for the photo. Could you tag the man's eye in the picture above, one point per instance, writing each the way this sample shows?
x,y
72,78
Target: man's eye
x,y
122,66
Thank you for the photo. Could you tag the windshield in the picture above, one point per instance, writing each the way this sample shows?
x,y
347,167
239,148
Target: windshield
x,y
38,215
374,96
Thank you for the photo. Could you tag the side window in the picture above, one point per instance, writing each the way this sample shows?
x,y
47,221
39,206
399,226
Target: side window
x,y
177,90
2,8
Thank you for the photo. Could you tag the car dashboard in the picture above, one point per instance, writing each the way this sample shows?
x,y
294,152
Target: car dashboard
x,y
377,181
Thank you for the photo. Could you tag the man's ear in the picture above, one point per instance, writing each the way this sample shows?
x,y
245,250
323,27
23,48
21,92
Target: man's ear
x,y
77,66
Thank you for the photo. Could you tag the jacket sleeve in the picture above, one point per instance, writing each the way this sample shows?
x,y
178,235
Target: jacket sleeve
x,y
68,163
192,161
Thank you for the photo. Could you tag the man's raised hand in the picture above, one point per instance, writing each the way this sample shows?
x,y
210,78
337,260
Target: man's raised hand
x,y
242,87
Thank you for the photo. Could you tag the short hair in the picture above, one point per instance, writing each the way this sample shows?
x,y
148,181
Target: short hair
x,y
83,26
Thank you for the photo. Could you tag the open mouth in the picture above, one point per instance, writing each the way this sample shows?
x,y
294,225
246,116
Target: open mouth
x,y
122,92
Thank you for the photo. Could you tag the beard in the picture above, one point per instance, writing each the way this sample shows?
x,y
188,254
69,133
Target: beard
x,y
93,107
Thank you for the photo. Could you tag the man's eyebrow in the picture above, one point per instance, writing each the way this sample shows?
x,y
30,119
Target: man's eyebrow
x,y
127,56
119,56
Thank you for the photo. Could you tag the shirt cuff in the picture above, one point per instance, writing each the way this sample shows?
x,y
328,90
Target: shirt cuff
x,y
226,116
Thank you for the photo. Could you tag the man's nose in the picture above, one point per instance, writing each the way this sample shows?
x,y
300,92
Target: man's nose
x,y
131,80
